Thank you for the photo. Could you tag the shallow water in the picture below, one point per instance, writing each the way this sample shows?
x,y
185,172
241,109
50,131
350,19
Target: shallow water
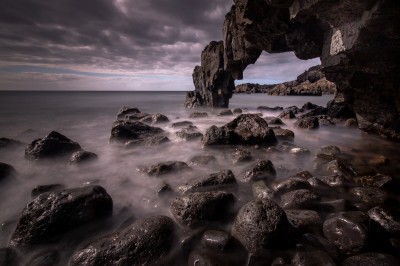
x,y
87,117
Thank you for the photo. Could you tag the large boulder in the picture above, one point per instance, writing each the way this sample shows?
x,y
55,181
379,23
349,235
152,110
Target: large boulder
x,y
123,131
221,179
52,145
259,170
246,129
81,157
127,111
53,213
260,225
145,242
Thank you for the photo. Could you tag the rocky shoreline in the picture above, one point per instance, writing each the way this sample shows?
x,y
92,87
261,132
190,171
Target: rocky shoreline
x,y
336,212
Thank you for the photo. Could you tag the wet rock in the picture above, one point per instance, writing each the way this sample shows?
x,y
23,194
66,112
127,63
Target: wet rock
x,y
199,208
372,259
181,124
9,257
155,119
6,143
307,122
219,180
273,121
49,257
332,206
347,231
262,191
241,155
309,106
283,134
259,225
36,191
325,120
80,157
246,129
189,134
53,213
320,187
282,186
127,111
202,160
371,197
225,112
378,160
164,168
333,180
299,199
198,115
287,114
321,243
340,167
315,112
266,108
52,145
207,257
145,242
313,257
123,131
387,218
328,153
259,170
303,219
303,174
340,110
147,141
351,122
237,111
164,189
135,117
6,172
299,151
216,239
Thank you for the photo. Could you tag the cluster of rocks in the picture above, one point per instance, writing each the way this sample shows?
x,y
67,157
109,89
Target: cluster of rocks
x,y
311,83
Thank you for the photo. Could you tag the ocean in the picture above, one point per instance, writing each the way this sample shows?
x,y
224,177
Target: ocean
x,y
87,117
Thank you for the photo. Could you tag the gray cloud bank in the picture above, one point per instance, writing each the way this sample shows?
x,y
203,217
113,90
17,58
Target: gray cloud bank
x,y
131,37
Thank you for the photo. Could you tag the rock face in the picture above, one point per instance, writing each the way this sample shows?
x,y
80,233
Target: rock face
x,y
123,131
357,42
145,242
53,213
246,129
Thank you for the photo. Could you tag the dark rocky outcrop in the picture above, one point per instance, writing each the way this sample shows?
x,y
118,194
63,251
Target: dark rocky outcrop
x,y
52,145
36,191
123,131
357,42
216,239
124,111
9,143
145,242
155,119
372,259
202,160
80,157
221,179
147,141
6,171
53,213
259,170
164,168
246,129
241,155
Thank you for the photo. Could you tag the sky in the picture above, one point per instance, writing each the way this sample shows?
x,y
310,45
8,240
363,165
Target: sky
x,y
118,45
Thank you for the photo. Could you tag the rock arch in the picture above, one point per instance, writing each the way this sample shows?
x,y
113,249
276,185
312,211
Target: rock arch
x,y
357,41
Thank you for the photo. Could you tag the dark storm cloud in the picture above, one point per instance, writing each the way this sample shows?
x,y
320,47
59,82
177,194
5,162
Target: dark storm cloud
x,y
119,34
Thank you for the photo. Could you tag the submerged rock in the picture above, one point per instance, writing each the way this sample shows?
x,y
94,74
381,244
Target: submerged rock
x,y
307,122
146,242
328,153
259,170
53,213
259,225
80,157
189,133
283,134
221,179
9,143
123,131
299,199
202,160
164,168
52,145
216,239
246,129
287,114
198,115
199,208
182,124
225,112
273,121
48,257
6,172
241,155
9,257
147,142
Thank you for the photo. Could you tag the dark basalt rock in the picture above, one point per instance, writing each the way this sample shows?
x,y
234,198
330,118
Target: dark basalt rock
x,y
262,191
340,167
283,134
135,117
340,110
259,225
351,122
164,168
216,239
259,170
147,142
182,124
307,122
221,179
315,112
328,153
285,185
313,257
202,160
348,231
246,129
371,259
198,115
378,180
127,111
299,199
266,108
237,111
288,114
241,155
333,180
146,242
274,121
80,157
309,106
53,213
155,119
371,197
6,172
9,257
200,208
49,257
6,143
303,219
299,151
123,131
225,112
208,257
164,189
53,145
189,133
36,191
387,218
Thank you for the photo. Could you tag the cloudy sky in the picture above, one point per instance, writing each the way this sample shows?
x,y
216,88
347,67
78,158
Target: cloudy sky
x,y
117,45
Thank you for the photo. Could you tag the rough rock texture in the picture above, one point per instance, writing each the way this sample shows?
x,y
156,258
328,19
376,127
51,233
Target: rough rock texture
x,y
357,41
259,170
80,157
53,213
123,131
246,129
221,179
52,145
372,259
146,242
164,168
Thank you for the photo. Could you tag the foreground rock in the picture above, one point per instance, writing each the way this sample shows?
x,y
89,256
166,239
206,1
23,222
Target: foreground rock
x,y
259,170
222,179
260,225
372,259
307,122
200,208
164,168
80,157
6,171
52,145
53,213
123,131
146,242
246,129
